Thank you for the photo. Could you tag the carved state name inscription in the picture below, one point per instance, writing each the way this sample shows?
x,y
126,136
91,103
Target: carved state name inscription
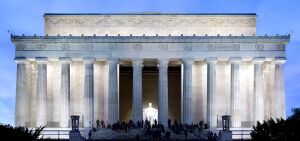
x,y
150,21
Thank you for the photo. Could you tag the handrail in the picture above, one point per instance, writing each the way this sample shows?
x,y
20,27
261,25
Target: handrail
x,y
242,134
57,133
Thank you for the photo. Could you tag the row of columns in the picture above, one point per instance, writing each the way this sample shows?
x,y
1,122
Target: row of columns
x,y
113,98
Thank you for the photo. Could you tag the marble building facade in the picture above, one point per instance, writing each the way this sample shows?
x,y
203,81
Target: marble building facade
x,y
74,69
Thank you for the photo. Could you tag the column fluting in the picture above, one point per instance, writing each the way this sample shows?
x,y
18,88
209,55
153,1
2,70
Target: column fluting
x,y
137,90
187,91
163,92
89,92
21,92
41,91
235,90
258,89
279,88
211,92
65,91
113,95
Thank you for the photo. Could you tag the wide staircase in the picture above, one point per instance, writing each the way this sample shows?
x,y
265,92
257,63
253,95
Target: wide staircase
x,y
142,134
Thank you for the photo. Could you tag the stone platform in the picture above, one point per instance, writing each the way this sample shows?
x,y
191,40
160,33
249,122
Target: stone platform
x,y
108,134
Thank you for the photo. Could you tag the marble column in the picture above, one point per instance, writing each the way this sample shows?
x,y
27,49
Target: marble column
x,y
211,92
41,91
187,91
279,88
88,92
113,95
137,90
235,91
21,92
258,89
65,91
163,92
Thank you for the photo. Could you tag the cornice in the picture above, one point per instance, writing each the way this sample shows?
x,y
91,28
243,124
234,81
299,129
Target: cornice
x,y
151,39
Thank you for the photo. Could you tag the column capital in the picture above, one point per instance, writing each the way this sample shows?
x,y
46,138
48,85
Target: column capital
x,y
258,60
65,60
279,60
89,60
235,60
137,62
211,60
188,61
41,60
21,60
163,61
113,60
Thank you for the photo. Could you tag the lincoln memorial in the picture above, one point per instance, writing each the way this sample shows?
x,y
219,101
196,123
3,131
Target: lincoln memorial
x,y
189,67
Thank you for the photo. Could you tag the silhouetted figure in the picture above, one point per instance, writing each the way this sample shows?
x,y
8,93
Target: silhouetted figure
x,y
147,123
155,123
175,122
90,135
98,123
169,123
201,124
215,137
210,136
130,123
205,126
220,134
126,127
138,124
186,134
102,124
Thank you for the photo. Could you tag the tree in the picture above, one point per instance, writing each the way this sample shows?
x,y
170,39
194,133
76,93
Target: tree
x,y
279,129
20,133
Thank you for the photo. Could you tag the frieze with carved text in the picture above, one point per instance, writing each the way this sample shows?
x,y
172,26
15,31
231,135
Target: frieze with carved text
x,y
150,21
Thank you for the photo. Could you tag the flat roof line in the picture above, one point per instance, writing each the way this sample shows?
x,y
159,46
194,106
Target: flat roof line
x,y
149,13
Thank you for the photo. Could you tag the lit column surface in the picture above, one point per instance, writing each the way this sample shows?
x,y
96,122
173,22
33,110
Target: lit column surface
x,y
163,92
65,91
113,97
137,90
89,92
235,91
211,92
279,86
21,92
258,89
187,91
42,92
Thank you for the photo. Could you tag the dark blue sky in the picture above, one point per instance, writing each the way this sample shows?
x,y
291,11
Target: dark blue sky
x,y
26,17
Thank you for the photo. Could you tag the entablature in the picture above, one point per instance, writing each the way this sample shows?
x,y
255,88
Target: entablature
x,y
150,46
151,39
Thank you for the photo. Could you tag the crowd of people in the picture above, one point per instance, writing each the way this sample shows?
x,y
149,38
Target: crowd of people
x,y
156,130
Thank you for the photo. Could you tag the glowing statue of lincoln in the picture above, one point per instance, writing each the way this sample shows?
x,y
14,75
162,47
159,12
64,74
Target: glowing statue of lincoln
x,y
150,114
